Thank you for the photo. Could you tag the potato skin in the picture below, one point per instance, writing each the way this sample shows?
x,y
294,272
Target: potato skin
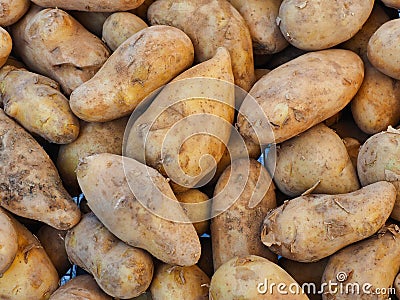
x,y
120,270
32,187
311,227
324,24
289,95
226,28
5,45
91,5
174,282
392,3
396,285
103,179
160,52
8,241
316,157
12,11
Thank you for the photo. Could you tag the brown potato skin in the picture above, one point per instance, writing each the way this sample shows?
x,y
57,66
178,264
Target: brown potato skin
x,y
91,5
5,45
32,187
226,29
120,270
235,231
311,227
82,287
8,241
12,11
289,95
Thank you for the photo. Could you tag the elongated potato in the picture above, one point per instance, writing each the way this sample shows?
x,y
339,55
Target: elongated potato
x,y
119,27
324,24
226,28
239,206
79,288
50,42
126,194
30,185
36,103
300,94
143,63
91,5
309,228
31,275
92,21
174,282
253,277
5,46
370,264
12,10
302,163
120,270
8,241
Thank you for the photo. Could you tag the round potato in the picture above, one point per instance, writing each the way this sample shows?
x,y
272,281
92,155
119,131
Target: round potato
x,y
5,45
12,10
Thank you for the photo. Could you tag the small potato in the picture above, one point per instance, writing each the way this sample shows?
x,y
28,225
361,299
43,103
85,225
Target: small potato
x,y
119,27
92,21
5,45
91,5
142,64
384,49
316,160
174,282
12,10
120,270
317,25
8,241
311,227
353,148
36,103
392,3
253,277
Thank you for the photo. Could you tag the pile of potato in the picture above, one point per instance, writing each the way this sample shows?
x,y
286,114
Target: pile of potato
x,y
154,113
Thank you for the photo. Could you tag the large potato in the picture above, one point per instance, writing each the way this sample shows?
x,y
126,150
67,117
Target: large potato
x,y
8,242
143,63
91,5
317,158
5,46
317,25
137,204
120,270
253,277
36,103
53,43
242,197
300,94
29,183
12,10
311,227
210,24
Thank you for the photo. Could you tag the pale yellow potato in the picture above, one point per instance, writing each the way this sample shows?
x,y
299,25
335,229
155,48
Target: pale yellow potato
x,y
142,64
312,227
32,187
92,21
119,27
120,270
8,241
12,10
300,94
210,24
242,197
5,45
91,5
392,3
36,103
353,148
247,278
54,44
315,160
175,282
317,25
125,194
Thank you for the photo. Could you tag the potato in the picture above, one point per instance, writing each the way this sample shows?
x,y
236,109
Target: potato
x,y
120,270
53,243
119,27
311,227
5,45
260,17
32,187
167,136
384,48
92,21
126,194
353,147
316,160
31,275
93,138
174,282
36,103
253,277
79,288
143,63
91,5
300,94
12,11
379,159
377,103
243,196
323,24
210,24
8,242
370,264
206,259
50,42
392,3
396,285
